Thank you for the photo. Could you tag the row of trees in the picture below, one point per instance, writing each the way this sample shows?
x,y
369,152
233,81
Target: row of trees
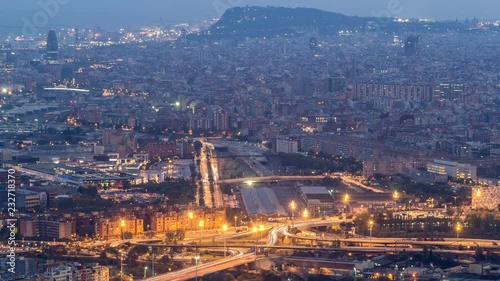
x,y
389,226
178,192
321,163
476,225
173,236
482,225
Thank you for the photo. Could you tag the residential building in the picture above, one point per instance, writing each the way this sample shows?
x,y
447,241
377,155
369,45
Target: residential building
x,y
453,169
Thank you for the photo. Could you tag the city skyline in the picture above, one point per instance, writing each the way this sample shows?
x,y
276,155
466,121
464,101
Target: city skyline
x,y
132,15
347,142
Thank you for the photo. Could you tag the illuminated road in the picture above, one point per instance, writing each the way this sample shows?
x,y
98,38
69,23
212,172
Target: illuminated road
x,y
218,200
272,178
450,242
205,180
209,164
207,268
355,182
346,179
238,259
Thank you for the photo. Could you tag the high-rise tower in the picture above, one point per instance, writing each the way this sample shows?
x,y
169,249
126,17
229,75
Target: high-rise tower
x,y
52,52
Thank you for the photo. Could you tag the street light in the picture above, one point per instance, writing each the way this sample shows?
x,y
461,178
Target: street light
x,y
346,201
121,265
196,258
292,205
190,216
458,228
255,230
122,223
306,214
201,224
224,229
145,271
370,224
235,221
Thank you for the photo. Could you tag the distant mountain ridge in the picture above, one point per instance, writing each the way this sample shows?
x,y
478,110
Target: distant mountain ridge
x,y
268,21
272,21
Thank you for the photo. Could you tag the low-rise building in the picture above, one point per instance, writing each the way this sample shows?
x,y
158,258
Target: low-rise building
x,y
47,228
108,228
286,145
453,169
162,222
27,199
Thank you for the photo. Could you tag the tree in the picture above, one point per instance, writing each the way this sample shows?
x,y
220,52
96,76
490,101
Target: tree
x,y
112,251
180,234
332,182
170,236
165,260
479,255
320,278
128,235
92,192
139,250
197,146
269,276
132,257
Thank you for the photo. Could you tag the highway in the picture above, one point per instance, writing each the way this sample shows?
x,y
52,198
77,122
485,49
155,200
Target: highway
x,y
450,242
239,259
208,164
204,269
205,181
350,180
217,196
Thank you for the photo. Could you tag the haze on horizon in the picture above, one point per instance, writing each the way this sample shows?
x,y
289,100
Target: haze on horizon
x,y
115,14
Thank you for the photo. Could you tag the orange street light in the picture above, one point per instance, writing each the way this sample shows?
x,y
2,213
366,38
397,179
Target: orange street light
x,y
346,198
370,224
201,224
224,229
292,206
122,223
458,228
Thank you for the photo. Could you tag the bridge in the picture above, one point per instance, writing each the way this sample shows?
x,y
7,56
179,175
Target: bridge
x,y
271,179
241,255
250,180
349,249
486,244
